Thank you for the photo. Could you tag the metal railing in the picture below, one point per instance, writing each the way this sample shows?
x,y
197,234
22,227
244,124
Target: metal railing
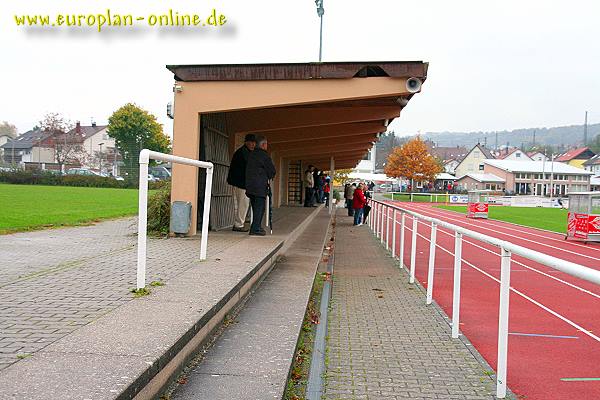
x,y
145,156
379,222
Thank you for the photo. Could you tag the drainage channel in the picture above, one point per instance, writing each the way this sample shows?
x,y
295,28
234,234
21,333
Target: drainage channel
x,y
314,389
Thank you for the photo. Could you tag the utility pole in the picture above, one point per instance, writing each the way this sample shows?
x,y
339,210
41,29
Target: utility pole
x,y
496,140
320,12
585,138
534,138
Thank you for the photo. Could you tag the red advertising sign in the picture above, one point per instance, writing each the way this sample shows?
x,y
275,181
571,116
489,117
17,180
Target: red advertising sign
x,y
582,225
477,210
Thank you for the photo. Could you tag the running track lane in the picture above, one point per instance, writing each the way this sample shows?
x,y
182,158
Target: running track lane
x,y
535,364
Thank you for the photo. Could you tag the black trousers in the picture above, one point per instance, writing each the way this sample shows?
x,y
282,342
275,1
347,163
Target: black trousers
x,y
309,197
258,212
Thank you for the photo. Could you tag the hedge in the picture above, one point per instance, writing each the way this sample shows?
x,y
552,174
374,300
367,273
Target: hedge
x,y
21,177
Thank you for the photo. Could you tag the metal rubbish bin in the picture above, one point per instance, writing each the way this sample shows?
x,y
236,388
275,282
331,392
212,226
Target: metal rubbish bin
x,y
181,217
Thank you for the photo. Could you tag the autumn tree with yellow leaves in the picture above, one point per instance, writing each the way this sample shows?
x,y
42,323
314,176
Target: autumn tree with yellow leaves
x,y
412,161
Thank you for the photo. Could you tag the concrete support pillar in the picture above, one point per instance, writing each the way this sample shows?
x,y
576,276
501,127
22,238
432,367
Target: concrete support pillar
x,y
331,174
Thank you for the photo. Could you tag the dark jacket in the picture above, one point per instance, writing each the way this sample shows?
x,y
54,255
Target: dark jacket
x,y
259,170
237,169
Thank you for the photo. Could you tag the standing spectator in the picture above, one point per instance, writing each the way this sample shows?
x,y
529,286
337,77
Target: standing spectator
x,y
349,197
326,191
237,179
358,203
259,171
346,189
309,185
366,208
318,186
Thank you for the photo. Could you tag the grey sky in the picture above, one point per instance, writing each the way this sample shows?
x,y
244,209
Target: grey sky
x,y
493,64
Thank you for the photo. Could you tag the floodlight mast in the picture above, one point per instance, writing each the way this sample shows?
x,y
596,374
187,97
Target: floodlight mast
x,y
320,12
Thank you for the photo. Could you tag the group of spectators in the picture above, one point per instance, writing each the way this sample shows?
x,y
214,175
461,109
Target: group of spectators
x,y
250,171
317,187
356,196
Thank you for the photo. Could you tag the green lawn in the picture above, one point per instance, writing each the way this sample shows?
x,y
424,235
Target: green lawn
x,y
552,219
418,197
28,207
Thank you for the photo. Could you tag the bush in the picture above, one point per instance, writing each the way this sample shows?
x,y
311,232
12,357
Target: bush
x,y
159,209
38,177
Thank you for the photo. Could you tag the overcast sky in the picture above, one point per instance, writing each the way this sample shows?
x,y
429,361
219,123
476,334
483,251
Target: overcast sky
x,y
494,65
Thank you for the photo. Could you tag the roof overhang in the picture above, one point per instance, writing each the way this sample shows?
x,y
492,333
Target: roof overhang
x,y
307,111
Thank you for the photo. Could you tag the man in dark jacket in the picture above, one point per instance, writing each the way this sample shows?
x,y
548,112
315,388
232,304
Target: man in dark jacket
x,y
237,179
259,171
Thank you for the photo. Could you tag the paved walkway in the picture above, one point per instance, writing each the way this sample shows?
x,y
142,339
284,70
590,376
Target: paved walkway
x,y
53,282
384,342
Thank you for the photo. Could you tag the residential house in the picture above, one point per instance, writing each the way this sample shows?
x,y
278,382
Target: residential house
x,y
4,138
576,157
31,147
514,154
445,153
473,161
593,164
535,177
450,166
538,156
478,181
100,147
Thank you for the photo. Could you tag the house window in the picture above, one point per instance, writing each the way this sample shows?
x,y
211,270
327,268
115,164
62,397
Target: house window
x,y
517,155
475,153
481,167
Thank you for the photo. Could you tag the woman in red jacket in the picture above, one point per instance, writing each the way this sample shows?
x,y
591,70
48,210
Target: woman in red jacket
x,y
358,202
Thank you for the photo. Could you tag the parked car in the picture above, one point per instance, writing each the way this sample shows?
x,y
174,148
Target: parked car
x,y
82,171
160,173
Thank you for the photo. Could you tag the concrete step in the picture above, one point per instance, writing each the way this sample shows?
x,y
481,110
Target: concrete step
x,y
253,357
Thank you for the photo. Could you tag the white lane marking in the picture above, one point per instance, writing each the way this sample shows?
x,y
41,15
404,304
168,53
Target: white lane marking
x,y
449,233
424,211
537,303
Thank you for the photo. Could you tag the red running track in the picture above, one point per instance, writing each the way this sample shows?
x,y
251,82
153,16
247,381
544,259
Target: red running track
x,y
543,301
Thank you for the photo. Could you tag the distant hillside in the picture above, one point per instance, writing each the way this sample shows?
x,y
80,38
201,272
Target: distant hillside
x,y
559,136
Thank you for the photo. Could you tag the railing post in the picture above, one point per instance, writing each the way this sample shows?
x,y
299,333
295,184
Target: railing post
x,y
394,214
503,324
383,220
402,223
387,228
456,290
377,220
206,213
413,249
431,269
372,212
381,223
411,197
142,223
392,196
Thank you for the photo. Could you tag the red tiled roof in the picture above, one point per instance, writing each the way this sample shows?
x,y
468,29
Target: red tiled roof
x,y
571,154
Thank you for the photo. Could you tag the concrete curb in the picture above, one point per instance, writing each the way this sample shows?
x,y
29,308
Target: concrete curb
x,y
176,358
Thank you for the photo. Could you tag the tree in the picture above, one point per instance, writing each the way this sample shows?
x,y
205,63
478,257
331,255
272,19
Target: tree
x,y
67,143
386,144
412,161
8,129
341,176
134,129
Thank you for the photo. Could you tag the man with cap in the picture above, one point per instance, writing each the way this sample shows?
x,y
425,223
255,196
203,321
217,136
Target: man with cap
x,y
237,179
259,172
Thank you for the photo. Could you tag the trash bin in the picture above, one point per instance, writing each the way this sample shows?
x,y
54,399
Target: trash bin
x,y
181,217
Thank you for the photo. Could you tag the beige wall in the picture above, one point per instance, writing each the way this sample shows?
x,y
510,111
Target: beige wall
x,y
257,97
470,164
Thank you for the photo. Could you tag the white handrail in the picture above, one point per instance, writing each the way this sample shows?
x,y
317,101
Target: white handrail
x,y
145,156
507,249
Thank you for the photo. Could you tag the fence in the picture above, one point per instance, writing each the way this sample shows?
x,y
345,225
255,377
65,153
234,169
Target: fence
x,y
379,222
419,197
145,156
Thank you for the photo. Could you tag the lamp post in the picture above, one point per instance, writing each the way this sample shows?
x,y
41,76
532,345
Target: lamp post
x,y
100,144
320,12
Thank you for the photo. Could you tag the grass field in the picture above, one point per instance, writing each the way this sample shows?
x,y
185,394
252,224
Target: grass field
x,y
29,207
418,197
552,219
